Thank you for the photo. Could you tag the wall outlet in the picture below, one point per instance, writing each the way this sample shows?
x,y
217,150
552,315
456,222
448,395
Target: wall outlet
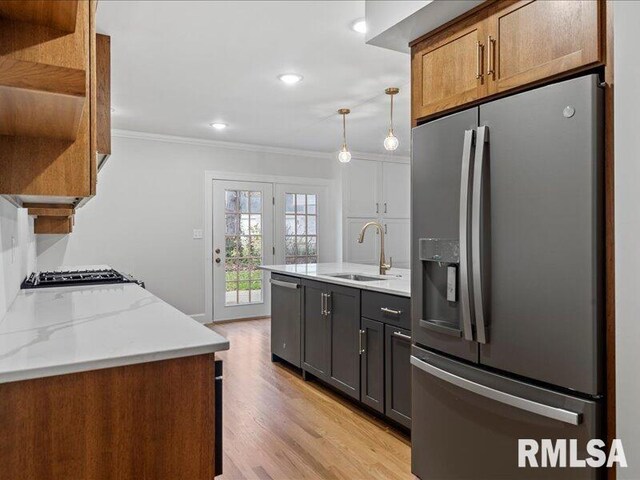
x,y
197,233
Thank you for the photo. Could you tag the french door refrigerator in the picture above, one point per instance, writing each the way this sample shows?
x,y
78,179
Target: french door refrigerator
x,y
507,266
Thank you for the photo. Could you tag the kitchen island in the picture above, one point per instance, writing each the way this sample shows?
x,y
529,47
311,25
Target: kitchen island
x,y
397,281
105,381
349,327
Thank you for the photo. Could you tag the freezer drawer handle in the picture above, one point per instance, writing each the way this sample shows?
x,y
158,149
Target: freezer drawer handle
x,y
284,284
554,413
437,326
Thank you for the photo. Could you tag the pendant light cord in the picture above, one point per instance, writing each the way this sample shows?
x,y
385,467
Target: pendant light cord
x,y
344,129
391,125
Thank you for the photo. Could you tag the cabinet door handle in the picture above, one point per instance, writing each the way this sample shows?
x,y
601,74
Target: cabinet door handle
x,y
402,335
377,207
479,48
491,42
322,309
385,227
385,207
390,311
327,309
361,342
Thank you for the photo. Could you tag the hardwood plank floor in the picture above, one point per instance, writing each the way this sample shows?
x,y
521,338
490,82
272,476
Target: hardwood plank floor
x,y
277,426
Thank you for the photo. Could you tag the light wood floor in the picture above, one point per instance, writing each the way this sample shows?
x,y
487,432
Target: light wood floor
x,y
277,426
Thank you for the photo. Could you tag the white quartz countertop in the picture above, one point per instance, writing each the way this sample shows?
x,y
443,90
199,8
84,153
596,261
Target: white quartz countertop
x,y
54,331
397,281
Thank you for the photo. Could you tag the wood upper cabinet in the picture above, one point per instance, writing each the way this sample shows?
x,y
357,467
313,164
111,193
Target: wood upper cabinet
x,y
103,98
447,69
54,104
502,47
534,40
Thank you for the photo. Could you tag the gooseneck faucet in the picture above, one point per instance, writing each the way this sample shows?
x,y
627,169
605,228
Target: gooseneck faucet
x,y
383,262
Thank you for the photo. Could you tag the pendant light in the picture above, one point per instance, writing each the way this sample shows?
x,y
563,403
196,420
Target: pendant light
x,y
391,142
344,155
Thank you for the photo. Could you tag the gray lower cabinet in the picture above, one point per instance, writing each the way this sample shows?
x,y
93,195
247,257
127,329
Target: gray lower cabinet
x,y
356,341
398,374
331,329
315,346
372,364
344,344
286,316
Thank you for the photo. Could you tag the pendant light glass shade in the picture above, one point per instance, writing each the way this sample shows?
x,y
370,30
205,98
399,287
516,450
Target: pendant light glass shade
x,y
344,156
391,141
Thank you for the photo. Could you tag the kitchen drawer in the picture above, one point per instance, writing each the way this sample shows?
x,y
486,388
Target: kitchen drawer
x,y
387,308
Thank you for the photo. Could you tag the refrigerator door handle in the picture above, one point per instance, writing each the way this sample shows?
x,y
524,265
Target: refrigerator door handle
x,y
465,187
482,139
554,413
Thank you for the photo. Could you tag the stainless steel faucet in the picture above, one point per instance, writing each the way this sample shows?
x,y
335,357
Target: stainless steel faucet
x,y
383,262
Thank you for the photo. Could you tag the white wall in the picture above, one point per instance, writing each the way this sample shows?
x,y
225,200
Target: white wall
x,y
627,230
17,251
393,24
150,198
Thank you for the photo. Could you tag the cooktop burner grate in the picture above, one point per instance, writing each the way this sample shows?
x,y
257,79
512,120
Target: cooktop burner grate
x,y
61,278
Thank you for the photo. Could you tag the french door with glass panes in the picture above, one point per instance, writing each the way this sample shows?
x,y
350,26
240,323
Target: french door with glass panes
x,y
300,212
242,240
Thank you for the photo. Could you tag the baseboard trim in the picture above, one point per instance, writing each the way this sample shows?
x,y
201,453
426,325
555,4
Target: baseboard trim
x,y
233,320
199,317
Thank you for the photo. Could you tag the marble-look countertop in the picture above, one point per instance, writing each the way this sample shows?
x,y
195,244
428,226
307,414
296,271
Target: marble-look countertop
x,y
397,281
60,330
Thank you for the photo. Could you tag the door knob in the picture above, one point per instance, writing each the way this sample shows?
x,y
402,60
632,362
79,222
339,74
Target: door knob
x,y
218,260
217,250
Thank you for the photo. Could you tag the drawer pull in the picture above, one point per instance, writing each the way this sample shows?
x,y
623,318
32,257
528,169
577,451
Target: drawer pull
x,y
402,335
391,311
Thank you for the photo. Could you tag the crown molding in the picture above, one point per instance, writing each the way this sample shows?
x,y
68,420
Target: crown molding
x,y
249,147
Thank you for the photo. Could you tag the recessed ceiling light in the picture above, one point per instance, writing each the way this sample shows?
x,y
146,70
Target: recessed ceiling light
x,y
290,78
359,26
218,125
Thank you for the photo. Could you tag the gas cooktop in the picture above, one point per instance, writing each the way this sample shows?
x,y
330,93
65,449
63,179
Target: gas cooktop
x,y
64,278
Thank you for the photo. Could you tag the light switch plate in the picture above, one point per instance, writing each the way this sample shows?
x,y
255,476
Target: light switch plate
x,y
197,233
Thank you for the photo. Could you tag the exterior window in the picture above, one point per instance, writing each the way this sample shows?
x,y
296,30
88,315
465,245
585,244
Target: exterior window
x,y
301,220
243,247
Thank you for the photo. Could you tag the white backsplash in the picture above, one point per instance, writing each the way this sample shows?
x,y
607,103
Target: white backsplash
x,y
17,251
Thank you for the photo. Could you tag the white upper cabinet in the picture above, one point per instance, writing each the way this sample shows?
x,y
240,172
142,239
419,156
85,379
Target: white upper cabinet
x,y
377,191
397,245
360,184
396,197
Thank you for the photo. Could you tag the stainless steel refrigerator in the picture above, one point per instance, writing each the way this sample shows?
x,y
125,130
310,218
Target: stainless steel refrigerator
x,y
506,282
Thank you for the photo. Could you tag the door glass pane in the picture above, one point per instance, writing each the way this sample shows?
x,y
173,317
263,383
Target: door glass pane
x,y
301,235
289,203
243,247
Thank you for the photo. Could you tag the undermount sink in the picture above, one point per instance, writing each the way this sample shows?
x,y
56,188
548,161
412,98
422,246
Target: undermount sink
x,y
357,277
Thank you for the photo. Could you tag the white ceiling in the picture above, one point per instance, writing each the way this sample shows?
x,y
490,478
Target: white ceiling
x,y
178,66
